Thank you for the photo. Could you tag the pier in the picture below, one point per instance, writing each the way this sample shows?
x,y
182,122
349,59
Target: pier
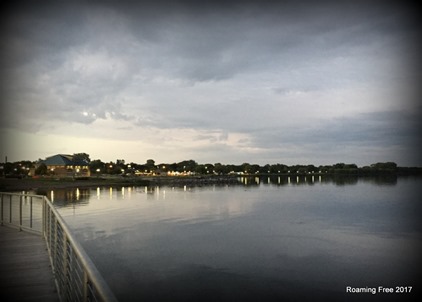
x,y
26,273
40,260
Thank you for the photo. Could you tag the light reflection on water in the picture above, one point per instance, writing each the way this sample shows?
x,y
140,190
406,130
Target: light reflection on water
x,y
267,239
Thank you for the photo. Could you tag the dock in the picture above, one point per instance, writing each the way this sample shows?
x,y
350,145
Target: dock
x,y
25,269
40,260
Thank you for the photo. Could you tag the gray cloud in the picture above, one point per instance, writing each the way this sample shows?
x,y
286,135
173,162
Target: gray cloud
x,y
378,129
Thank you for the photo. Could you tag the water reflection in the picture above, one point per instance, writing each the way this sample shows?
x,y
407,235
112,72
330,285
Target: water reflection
x,y
339,180
266,239
82,195
63,197
68,195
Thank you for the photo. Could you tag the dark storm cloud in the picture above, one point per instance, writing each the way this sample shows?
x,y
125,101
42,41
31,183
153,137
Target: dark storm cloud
x,y
218,41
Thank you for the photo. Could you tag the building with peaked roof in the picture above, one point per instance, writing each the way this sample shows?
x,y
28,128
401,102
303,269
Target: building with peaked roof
x,y
64,165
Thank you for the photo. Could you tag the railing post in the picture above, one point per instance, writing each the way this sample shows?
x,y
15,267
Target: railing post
x,y
85,287
49,227
2,209
10,209
43,218
66,285
46,222
55,245
20,212
30,212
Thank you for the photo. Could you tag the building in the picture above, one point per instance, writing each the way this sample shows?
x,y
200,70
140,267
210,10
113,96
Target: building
x,y
63,165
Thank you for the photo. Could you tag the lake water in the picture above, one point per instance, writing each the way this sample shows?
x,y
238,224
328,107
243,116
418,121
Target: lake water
x,y
266,239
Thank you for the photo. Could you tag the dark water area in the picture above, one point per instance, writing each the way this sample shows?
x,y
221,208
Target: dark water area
x,y
265,239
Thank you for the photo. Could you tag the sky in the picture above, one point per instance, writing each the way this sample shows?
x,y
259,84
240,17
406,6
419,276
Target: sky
x,y
292,82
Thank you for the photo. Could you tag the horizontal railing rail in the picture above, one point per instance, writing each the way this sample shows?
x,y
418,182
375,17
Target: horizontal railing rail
x,y
22,211
76,276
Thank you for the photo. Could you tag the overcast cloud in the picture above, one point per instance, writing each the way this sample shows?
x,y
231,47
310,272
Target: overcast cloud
x,y
261,82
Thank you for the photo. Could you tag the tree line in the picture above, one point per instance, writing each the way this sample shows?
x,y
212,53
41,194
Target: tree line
x,y
191,167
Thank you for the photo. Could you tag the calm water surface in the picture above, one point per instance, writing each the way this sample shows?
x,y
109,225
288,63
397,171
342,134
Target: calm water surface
x,y
262,240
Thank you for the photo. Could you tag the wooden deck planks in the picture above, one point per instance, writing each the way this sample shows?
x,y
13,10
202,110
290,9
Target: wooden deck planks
x,y
25,271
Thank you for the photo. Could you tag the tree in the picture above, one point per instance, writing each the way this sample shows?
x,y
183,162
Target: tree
x,y
209,168
187,165
339,166
219,168
311,168
254,168
279,168
265,169
387,167
201,169
246,168
112,168
41,169
150,165
97,166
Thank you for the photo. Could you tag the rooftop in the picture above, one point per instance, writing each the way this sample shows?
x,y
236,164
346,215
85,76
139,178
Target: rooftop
x,y
63,160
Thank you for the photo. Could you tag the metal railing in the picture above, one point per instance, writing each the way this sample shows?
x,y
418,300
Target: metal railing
x,y
77,278
22,211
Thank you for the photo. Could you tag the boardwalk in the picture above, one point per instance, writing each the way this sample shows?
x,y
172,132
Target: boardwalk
x,y
25,271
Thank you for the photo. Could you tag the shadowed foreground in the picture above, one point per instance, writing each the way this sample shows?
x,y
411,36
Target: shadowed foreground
x,y
25,271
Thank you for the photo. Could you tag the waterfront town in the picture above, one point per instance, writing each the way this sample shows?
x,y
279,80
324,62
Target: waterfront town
x,y
80,166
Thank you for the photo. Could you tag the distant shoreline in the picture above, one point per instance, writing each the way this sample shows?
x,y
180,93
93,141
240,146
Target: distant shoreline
x,y
32,184
27,184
